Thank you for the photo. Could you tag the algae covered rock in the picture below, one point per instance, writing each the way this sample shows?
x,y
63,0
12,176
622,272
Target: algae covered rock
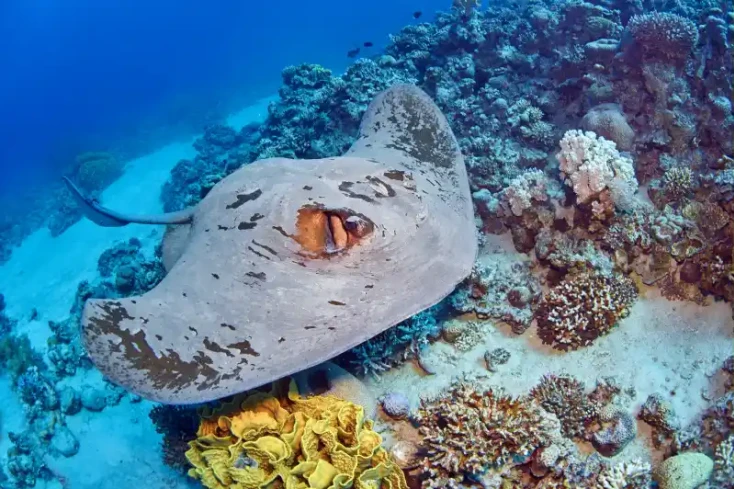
x,y
684,471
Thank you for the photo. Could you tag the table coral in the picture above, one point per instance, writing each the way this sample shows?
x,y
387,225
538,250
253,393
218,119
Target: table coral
x,y
582,308
317,442
467,432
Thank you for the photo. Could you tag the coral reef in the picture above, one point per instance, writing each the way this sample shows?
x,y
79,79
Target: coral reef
x,y
503,291
17,356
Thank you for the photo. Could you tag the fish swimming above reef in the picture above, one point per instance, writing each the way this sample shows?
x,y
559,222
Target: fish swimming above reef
x,y
287,263
352,53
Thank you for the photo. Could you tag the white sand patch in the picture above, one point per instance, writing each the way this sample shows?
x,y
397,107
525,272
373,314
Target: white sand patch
x,y
670,348
44,272
118,446
253,113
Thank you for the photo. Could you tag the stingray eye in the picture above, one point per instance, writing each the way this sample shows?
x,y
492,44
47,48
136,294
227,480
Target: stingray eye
x,y
358,226
323,232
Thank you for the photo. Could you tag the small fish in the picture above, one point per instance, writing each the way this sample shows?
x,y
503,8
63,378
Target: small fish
x,y
352,53
368,44
417,14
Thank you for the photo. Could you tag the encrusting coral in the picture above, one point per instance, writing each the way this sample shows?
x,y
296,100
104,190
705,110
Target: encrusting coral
x,y
276,439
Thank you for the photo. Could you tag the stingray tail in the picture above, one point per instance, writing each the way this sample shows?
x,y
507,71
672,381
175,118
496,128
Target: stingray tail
x,y
105,217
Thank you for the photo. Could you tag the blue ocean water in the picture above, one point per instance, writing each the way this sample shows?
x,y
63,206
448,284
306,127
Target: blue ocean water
x,y
122,76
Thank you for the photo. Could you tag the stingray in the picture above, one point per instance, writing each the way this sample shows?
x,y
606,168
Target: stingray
x,y
287,263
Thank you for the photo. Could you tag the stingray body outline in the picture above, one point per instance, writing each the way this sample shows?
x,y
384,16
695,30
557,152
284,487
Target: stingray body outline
x,y
243,305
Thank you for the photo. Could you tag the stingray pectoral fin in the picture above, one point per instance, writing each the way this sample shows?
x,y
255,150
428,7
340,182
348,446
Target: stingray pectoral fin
x,y
105,217
404,126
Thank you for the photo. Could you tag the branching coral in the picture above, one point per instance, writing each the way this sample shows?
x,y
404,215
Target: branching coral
x,y
278,440
526,188
564,396
395,345
582,308
724,464
626,475
664,34
467,432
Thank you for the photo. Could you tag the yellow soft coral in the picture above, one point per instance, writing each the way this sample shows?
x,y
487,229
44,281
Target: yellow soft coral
x,y
272,440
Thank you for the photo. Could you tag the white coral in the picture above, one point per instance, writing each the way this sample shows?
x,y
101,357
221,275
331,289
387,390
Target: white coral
x,y
591,164
523,189
625,474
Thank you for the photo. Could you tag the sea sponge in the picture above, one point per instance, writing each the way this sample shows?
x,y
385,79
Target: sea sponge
x,y
294,442
468,431
591,164
608,121
582,308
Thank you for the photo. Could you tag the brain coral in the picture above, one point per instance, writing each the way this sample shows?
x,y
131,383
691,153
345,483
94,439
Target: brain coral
x,y
592,164
582,308
608,121
467,432
286,441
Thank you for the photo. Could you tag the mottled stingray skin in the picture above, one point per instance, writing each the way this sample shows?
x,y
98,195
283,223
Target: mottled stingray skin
x,y
242,306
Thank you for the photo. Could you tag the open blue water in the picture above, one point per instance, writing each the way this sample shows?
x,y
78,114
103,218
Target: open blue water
x,y
84,75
